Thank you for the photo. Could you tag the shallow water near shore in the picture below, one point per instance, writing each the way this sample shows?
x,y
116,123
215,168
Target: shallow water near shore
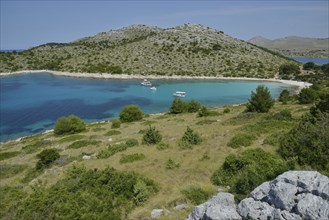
x,y
31,103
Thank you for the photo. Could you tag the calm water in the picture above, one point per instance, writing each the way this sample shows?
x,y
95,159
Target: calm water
x,y
32,103
319,61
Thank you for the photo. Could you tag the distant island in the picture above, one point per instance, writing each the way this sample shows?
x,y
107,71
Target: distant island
x,y
186,50
294,46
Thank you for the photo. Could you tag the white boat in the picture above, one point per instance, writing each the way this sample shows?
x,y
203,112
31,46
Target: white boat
x,y
153,88
179,94
146,83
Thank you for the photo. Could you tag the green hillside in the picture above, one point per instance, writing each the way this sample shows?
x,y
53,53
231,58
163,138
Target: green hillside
x,y
138,49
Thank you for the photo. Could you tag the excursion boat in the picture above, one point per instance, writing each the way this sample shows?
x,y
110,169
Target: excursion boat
x,y
146,83
179,94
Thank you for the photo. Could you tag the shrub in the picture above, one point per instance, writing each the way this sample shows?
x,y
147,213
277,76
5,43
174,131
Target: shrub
x,y
246,170
203,112
284,96
132,142
241,139
191,137
309,66
308,142
178,106
69,125
261,101
193,106
131,113
152,136
162,146
170,164
226,110
46,158
115,148
131,158
82,143
289,69
307,96
285,114
115,123
196,194
112,132
7,155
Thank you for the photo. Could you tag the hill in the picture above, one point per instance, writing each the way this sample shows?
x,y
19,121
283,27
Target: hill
x,y
295,46
189,49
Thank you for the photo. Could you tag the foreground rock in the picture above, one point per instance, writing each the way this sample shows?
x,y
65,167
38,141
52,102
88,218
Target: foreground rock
x,y
292,195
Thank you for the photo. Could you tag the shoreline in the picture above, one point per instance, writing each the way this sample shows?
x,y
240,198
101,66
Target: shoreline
x,y
299,84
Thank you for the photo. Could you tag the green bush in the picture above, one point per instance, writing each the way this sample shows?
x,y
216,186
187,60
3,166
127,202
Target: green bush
x,y
131,113
285,114
226,110
308,142
190,137
178,106
82,143
309,66
204,112
152,136
289,69
193,106
69,125
115,148
171,164
7,155
241,139
307,96
88,194
46,158
132,142
112,133
244,171
261,101
162,146
196,195
284,96
131,158
116,123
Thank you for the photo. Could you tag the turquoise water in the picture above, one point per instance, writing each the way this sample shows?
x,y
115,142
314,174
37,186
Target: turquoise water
x,y
31,103
319,61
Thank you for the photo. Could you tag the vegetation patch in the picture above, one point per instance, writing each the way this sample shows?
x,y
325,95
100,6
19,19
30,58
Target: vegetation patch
x,y
196,195
131,158
191,137
241,139
83,143
116,123
69,125
171,164
244,171
206,122
152,136
70,138
162,146
261,101
115,148
131,113
8,170
9,154
82,193
112,133
46,158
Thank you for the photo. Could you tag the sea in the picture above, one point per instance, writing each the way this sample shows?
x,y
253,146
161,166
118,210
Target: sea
x,y
31,103
318,61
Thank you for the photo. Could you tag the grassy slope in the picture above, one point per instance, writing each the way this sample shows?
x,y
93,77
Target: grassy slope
x,y
191,171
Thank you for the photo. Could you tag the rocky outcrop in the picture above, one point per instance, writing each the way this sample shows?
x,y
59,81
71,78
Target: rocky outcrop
x,y
292,195
221,206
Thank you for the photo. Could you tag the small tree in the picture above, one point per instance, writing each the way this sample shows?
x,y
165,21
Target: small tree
x,y
309,66
193,106
69,125
115,123
261,101
152,136
131,113
307,96
284,96
46,157
191,137
178,106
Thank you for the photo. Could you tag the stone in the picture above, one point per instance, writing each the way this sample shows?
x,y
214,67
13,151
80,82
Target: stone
x,y
261,191
197,212
156,213
313,207
219,212
86,157
181,206
252,209
282,195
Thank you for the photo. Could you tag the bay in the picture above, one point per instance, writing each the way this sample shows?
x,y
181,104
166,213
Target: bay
x,y
318,61
31,103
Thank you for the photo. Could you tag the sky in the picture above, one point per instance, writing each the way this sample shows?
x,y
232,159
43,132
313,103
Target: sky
x,y
26,23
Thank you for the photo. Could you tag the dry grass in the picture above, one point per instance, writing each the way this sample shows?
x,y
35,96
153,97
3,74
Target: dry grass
x,y
192,170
